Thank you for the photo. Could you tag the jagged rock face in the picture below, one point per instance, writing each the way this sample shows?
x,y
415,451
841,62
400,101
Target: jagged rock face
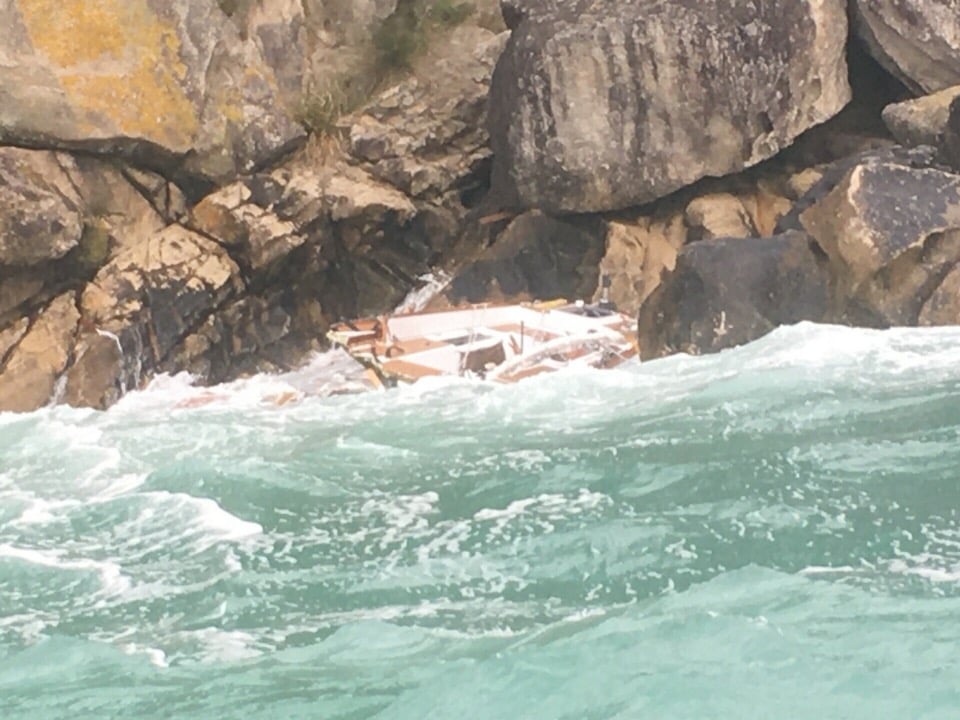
x,y
313,43
29,376
918,41
146,301
169,83
892,233
585,109
62,216
37,222
727,292
427,135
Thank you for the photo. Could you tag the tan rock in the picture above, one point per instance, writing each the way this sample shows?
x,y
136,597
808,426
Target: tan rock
x,y
765,206
10,336
921,121
801,182
29,376
637,255
718,215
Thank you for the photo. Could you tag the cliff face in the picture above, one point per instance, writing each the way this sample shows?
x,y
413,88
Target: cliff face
x,y
162,208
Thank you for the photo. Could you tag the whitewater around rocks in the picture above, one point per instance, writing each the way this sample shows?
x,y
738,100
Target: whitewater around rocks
x,y
771,531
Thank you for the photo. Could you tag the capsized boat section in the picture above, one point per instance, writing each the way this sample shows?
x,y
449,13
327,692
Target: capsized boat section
x,y
504,343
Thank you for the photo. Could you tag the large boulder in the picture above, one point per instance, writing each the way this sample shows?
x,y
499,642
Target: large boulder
x,y
727,292
169,83
892,234
918,41
604,105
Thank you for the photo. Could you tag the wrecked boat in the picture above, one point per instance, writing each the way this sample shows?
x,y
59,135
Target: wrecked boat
x,y
502,343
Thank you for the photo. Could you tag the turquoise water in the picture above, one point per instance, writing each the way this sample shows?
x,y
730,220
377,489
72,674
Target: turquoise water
x,y
771,532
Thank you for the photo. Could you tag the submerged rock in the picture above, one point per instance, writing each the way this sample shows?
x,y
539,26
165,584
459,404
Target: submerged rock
x,y
605,105
169,84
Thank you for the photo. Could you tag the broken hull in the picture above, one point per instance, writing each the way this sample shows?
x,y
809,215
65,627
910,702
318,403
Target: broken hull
x,y
503,343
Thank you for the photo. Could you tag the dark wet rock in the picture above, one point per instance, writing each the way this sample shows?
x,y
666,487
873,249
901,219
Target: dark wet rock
x,y
584,110
833,174
918,41
950,139
727,292
537,257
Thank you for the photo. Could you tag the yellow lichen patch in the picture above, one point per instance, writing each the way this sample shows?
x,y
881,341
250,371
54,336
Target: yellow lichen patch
x,y
118,64
74,32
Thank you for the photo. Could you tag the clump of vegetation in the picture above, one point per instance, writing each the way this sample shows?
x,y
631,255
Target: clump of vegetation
x,y
321,107
449,13
93,250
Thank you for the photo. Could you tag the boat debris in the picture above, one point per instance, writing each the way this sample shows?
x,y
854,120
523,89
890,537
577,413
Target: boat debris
x,y
503,343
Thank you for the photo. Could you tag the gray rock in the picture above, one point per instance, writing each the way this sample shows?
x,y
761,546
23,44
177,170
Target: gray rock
x,y
604,105
918,41
727,292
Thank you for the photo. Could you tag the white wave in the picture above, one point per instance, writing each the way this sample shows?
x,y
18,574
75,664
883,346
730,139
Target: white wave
x,y
418,298
213,645
156,656
112,579
923,566
210,520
